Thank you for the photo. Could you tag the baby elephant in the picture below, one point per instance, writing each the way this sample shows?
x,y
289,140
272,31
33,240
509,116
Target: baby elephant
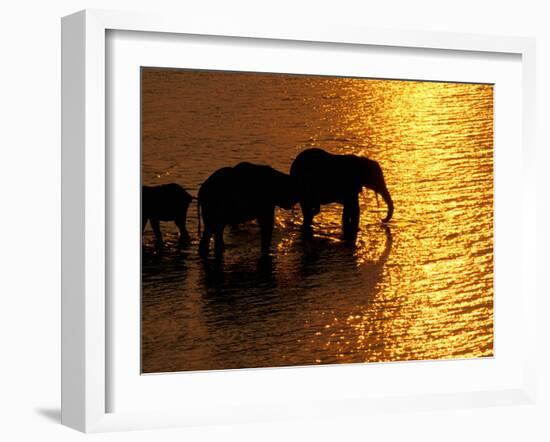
x,y
233,195
168,202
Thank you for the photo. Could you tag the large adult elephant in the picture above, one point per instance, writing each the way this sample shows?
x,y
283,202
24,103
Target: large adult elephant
x,y
233,195
167,202
324,178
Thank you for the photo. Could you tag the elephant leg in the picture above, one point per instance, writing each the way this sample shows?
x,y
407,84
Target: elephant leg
x,y
155,223
307,214
350,218
345,217
204,243
143,223
184,235
219,245
266,226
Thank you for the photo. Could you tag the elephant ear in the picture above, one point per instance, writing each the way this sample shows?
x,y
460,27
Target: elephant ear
x,y
374,180
370,173
355,173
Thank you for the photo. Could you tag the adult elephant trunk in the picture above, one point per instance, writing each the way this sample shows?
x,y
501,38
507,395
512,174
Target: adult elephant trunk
x,y
389,202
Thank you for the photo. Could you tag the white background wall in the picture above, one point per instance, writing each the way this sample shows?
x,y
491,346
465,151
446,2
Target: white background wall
x,y
30,215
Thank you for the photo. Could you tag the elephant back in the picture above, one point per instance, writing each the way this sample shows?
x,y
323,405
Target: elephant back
x,y
324,177
240,193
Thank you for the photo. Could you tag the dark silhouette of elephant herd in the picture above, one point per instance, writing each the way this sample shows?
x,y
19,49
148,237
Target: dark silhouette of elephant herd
x,y
234,195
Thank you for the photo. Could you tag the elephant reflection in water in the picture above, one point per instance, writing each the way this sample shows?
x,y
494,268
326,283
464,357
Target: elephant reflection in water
x,y
339,262
233,195
324,178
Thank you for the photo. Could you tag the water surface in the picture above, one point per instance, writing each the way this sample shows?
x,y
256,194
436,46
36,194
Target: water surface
x,y
420,288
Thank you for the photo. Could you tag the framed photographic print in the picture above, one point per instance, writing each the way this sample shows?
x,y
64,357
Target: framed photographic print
x,y
261,223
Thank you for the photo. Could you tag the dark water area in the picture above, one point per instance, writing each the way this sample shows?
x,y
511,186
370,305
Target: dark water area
x,y
419,288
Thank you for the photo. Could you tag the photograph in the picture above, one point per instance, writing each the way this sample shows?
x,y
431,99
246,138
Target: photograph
x,y
302,220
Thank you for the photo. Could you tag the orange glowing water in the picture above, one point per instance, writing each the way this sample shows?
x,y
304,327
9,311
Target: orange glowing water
x,y
422,288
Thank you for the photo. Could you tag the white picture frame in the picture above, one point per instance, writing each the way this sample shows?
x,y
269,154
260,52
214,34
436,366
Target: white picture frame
x,y
85,310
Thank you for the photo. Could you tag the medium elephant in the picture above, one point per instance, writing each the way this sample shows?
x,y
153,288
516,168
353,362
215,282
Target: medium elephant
x,y
324,178
233,195
168,202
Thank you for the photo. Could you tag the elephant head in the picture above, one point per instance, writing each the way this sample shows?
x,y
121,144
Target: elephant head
x,y
285,190
372,177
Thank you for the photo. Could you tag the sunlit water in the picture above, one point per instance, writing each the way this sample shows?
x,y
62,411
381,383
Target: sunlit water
x,y
422,288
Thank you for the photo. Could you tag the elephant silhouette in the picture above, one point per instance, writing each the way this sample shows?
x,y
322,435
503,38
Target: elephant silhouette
x,y
233,195
324,178
167,202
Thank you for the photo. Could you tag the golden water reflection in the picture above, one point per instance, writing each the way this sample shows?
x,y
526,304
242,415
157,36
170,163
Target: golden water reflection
x,y
421,288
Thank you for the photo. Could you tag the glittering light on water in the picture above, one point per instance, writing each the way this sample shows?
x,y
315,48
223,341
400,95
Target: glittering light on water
x,y
421,288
